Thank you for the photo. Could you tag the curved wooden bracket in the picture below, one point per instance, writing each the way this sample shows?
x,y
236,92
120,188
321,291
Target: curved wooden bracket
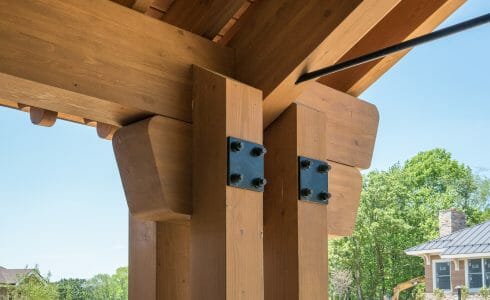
x,y
106,131
42,117
154,157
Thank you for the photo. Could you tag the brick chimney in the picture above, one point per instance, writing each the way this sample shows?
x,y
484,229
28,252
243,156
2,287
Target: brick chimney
x,y
451,221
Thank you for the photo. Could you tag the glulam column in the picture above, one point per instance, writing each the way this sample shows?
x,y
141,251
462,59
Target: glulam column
x,y
226,225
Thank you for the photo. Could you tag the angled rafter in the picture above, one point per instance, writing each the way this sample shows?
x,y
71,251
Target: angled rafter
x,y
127,3
409,19
279,40
101,60
205,18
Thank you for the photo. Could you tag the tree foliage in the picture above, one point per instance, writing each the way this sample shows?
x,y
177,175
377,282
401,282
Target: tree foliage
x,y
103,286
32,286
99,287
399,209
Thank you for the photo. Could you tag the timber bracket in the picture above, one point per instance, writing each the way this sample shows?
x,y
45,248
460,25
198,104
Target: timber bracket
x,y
246,165
313,180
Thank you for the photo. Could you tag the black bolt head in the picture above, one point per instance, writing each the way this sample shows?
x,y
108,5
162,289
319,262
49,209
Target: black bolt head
x,y
306,192
259,151
236,178
305,164
236,146
325,196
324,168
259,182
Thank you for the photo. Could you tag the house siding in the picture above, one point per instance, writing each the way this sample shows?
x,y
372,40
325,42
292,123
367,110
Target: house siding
x,y
458,277
428,274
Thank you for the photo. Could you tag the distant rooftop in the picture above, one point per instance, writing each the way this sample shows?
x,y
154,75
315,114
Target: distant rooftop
x,y
468,242
13,276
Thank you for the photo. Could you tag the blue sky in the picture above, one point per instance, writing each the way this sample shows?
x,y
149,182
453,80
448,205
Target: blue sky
x,y
62,203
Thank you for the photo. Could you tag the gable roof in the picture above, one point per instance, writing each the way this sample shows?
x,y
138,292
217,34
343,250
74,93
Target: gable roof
x,y
13,276
471,241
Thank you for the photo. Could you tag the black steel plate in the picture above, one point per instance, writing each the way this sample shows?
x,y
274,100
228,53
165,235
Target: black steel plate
x,y
247,163
314,179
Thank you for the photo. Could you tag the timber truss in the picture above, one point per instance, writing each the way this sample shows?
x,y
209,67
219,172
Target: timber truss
x,y
235,177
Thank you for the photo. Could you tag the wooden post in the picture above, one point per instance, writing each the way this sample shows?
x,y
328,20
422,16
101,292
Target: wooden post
x,y
158,260
154,159
295,231
226,224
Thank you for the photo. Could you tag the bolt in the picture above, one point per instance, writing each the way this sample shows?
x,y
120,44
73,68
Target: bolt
x,y
259,151
259,182
236,146
306,192
324,196
236,178
324,168
305,164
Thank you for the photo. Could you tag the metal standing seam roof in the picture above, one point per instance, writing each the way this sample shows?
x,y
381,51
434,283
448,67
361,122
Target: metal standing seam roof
x,y
471,240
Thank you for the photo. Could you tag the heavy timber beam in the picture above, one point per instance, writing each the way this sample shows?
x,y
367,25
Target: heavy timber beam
x,y
279,40
226,225
153,155
99,60
351,124
409,19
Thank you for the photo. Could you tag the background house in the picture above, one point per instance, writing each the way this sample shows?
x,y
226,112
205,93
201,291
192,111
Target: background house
x,y
12,277
460,256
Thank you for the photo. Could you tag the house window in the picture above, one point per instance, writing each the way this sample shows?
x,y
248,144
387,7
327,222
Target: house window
x,y
443,275
479,273
475,273
487,272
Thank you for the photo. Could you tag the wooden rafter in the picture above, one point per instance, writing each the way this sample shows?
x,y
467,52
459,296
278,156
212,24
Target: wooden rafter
x,y
409,19
205,18
279,40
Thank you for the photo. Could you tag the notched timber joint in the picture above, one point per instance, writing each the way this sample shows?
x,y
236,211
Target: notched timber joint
x,y
246,165
313,180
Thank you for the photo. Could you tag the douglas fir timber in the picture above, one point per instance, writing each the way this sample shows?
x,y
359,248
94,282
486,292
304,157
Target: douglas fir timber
x,y
226,224
101,59
409,19
204,18
295,232
272,50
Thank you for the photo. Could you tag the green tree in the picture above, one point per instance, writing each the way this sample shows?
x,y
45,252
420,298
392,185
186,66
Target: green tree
x,y
399,209
34,288
103,286
72,289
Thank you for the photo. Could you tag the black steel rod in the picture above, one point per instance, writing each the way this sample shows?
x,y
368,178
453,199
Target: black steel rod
x,y
395,48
